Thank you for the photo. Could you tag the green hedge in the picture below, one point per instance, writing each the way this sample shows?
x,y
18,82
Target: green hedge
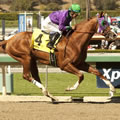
x,y
14,15
9,16
110,13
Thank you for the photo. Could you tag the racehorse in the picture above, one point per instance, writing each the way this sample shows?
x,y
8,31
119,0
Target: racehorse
x,y
71,52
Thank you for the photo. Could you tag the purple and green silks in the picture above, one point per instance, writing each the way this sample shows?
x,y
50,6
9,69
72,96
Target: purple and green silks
x,y
61,18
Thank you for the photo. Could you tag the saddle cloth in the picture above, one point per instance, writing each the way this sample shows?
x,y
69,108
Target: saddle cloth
x,y
40,41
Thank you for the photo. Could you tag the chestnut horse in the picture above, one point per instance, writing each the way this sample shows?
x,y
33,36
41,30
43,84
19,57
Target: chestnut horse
x,y
70,53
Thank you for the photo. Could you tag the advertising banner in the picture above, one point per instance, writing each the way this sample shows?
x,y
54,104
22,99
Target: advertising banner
x,y
25,21
110,70
22,23
29,22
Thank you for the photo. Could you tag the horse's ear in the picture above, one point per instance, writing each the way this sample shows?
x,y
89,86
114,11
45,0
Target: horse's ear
x,y
75,27
89,18
101,14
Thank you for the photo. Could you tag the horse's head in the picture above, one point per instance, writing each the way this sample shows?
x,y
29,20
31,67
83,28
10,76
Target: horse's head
x,y
104,28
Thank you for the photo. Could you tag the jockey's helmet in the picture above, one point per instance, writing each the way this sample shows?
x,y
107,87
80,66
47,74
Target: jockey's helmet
x,y
75,8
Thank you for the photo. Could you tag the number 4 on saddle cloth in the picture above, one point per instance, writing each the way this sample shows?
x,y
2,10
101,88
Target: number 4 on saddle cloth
x,y
40,40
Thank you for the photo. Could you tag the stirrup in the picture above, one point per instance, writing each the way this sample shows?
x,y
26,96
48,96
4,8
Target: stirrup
x,y
49,46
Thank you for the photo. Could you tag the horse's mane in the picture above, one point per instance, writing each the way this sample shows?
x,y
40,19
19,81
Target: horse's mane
x,y
82,23
77,26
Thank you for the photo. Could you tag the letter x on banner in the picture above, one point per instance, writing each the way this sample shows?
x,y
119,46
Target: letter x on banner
x,y
110,70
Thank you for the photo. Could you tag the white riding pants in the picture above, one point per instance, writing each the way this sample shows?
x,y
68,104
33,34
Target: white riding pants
x,y
49,27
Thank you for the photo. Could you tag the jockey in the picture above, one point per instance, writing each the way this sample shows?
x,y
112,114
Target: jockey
x,y
59,21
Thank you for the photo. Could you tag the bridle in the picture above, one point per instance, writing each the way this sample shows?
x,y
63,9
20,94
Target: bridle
x,y
89,32
104,30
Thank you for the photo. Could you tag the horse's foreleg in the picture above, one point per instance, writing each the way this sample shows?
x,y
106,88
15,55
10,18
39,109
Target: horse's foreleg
x,y
107,82
71,69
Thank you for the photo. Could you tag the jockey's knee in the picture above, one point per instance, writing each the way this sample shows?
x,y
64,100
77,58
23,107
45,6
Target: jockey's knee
x,y
54,36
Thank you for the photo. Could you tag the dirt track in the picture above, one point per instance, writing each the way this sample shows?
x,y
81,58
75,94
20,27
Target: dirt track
x,y
61,111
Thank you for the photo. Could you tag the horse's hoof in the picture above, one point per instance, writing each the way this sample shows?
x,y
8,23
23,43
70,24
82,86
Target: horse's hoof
x,y
113,89
53,98
46,93
67,89
111,93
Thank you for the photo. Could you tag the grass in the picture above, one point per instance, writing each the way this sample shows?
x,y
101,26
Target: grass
x,y
104,51
10,23
58,82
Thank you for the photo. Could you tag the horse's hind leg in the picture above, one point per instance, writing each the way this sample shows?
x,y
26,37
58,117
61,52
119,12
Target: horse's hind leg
x,y
34,70
92,70
26,61
36,79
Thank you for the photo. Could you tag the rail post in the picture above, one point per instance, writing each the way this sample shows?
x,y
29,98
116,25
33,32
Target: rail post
x,y
46,77
3,29
3,81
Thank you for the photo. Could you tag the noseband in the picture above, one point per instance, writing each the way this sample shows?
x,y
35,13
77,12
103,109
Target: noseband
x,y
103,26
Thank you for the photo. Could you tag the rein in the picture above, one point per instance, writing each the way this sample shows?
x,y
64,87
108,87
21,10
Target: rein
x,y
66,42
87,32
91,32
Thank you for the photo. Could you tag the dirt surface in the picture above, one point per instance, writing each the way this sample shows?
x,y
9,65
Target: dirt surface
x,y
61,111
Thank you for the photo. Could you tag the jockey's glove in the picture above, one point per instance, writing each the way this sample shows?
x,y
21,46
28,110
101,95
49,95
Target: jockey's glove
x,y
68,27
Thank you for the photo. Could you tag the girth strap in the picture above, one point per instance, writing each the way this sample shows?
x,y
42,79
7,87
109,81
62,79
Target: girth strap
x,y
53,59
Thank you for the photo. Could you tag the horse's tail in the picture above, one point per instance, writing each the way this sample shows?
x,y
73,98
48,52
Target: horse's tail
x,y
3,42
3,46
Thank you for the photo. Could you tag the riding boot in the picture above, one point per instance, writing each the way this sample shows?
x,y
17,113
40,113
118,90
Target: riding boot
x,y
53,38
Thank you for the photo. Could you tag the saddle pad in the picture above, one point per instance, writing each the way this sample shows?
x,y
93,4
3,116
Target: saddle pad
x,y
40,40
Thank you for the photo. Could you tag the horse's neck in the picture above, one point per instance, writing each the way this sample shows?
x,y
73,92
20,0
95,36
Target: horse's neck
x,y
84,32
87,26
81,36
94,24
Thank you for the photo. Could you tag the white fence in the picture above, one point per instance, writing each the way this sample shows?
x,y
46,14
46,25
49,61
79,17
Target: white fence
x,y
41,70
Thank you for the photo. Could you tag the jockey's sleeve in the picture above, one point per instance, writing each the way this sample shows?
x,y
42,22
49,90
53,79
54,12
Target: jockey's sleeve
x,y
62,27
64,24
61,19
